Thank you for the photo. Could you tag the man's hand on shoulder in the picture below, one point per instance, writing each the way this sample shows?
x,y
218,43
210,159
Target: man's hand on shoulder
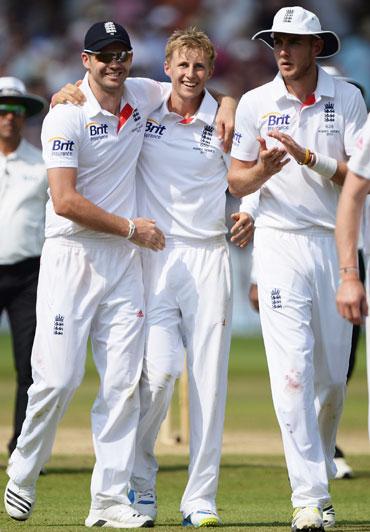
x,y
225,121
69,94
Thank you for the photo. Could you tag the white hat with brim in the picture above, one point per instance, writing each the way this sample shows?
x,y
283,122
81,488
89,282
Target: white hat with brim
x,y
299,21
13,91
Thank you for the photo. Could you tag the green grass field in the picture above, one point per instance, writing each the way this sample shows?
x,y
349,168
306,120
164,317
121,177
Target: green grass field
x,y
254,492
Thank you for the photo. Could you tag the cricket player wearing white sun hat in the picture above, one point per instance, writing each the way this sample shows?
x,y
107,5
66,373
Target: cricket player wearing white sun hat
x,y
293,137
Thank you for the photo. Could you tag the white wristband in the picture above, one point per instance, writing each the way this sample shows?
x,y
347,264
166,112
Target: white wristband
x,y
324,165
131,229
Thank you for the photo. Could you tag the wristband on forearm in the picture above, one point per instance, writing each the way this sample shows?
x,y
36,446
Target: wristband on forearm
x,y
349,273
131,229
324,165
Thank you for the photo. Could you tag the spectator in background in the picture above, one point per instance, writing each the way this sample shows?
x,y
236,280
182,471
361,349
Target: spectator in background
x,y
23,186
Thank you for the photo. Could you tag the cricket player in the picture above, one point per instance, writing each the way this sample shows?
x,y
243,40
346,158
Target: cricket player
x,y
90,279
293,138
352,302
181,183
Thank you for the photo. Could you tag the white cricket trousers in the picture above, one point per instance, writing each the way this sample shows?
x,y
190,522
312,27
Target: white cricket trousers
x,y
367,285
189,306
307,346
86,287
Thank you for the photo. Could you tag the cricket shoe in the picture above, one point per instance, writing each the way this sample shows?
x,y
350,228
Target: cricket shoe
x,y
19,501
202,518
118,516
145,502
308,519
343,469
328,517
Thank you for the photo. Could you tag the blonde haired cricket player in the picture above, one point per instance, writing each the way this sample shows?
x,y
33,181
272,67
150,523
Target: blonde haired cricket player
x,y
182,184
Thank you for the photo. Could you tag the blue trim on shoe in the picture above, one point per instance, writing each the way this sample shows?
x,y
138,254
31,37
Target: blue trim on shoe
x,y
211,521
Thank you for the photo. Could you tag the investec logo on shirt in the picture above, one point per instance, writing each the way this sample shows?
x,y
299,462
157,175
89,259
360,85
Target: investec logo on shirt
x,y
97,131
61,146
154,129
277,121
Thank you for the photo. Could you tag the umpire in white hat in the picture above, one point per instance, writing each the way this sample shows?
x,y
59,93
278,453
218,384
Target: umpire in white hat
x,y
23,193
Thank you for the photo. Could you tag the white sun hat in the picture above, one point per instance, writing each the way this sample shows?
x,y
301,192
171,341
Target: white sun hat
x,y
299,21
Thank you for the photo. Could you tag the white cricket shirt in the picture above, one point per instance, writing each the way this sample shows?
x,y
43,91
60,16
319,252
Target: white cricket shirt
x,y
359,164
23,195
297,197
182,173
105,154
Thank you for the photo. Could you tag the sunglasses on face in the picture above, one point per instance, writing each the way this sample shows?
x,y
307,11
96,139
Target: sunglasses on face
x,y
15,109
108,57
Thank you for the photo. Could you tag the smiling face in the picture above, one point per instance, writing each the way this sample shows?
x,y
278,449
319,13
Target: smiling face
x,y
107,77
189,69
295,55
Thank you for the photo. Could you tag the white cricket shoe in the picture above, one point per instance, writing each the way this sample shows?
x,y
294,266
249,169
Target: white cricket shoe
x,y
343,469
328,517
118,516
202,518
19,500
308,519
145,502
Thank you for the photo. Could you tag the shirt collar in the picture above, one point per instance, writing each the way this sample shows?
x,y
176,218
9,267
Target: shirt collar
x,y
325,86
206,111
93,107
18,153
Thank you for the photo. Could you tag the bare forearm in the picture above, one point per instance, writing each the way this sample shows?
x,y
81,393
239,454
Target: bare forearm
x,y
223,99
83,212
244,181
340,173
350,207
346,233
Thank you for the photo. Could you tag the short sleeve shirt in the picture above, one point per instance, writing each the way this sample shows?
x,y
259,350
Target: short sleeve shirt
x,y
102,147
360,161
23,196
297,197
359,164
182,173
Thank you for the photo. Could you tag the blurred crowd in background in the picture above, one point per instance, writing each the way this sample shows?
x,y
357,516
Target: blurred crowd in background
x,y
41,41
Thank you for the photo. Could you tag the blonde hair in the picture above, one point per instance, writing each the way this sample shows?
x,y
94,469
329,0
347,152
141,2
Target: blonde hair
x,y
191,38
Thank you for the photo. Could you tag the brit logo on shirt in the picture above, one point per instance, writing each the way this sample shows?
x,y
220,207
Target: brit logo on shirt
x,y
97,131
276,298
136,115
329,112
237,137
206,137
59,324
61,146
154,129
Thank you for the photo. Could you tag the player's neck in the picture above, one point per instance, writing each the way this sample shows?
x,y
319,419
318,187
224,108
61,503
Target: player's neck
x,y
8,146
109,100
303,87
186,107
